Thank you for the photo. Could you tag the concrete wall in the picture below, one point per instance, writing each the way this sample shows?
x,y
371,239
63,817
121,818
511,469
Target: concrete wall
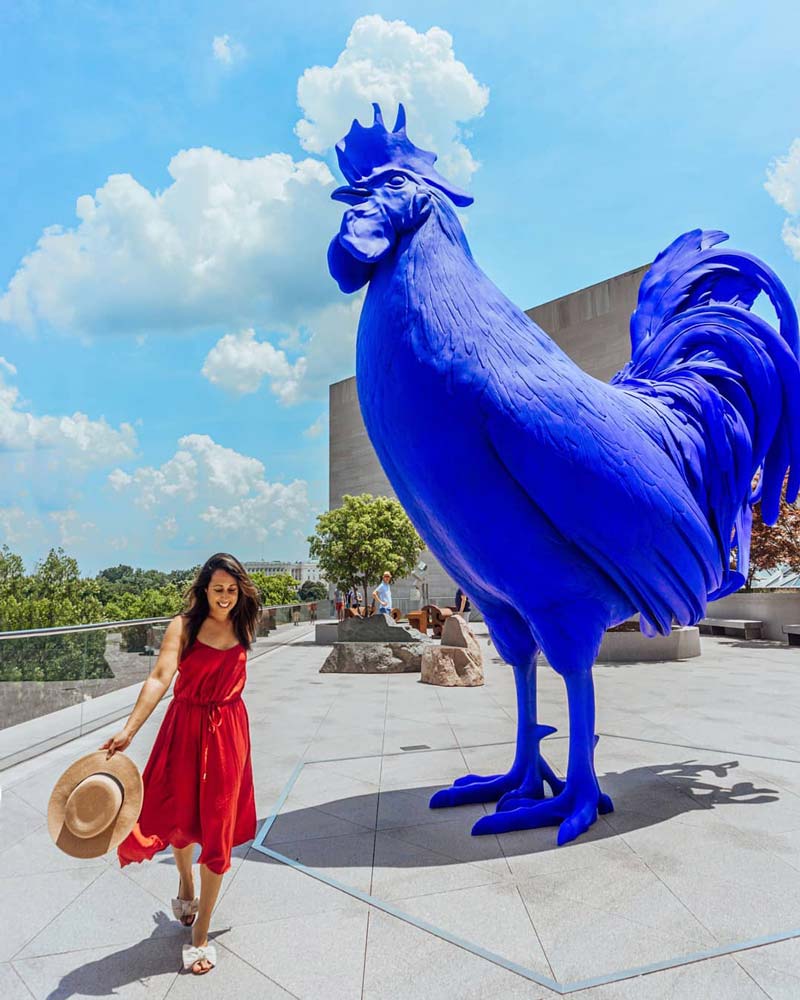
x,y
590,325
774,608
354,469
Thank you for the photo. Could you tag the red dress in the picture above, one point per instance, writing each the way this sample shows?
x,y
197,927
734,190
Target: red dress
x,y
198,780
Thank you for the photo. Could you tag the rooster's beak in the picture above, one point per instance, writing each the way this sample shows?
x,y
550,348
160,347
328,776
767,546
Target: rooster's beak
x,y
351,195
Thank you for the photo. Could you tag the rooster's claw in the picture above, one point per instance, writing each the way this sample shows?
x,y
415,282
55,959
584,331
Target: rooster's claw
x,y
480,790
572,818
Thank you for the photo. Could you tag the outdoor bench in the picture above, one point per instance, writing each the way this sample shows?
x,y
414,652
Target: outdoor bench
x,y
792,633
731,626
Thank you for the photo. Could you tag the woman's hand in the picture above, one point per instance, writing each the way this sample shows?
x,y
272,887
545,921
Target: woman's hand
x,y
121,741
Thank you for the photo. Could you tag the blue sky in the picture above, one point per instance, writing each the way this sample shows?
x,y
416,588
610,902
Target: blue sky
x,y
167,325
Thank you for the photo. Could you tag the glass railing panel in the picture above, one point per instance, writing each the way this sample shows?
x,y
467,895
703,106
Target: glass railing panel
x,y
118,660
57,684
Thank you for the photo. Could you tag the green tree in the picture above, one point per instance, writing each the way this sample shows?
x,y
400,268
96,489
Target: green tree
x,y
12,570
312,590
161,603
356,543
55,594
278,589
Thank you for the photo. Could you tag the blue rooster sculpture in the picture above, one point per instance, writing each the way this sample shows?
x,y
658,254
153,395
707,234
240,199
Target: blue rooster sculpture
x,y
564,505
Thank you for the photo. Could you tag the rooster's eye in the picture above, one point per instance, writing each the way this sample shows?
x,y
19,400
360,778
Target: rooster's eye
x,y
397,180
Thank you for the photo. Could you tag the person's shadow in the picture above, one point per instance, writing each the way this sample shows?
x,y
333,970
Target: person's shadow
x,y
155,955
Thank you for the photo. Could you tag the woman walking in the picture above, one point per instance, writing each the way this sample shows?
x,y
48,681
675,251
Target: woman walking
x,y
198,780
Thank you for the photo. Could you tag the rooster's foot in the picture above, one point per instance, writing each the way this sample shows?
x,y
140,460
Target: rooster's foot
x,y
528,790
490,788
572,815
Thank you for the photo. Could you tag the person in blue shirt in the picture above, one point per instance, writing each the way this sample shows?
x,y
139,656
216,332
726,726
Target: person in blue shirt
x,y
383,595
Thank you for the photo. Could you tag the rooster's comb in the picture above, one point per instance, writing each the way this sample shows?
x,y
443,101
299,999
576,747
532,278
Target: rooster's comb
x,y
365,152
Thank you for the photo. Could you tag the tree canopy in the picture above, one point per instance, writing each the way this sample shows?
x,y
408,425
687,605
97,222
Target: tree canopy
x,y
775,546
356,543
312,590
115,581
54,594
278,589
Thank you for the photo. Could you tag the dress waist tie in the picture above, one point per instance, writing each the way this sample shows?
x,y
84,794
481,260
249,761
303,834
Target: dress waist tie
x,y
214,718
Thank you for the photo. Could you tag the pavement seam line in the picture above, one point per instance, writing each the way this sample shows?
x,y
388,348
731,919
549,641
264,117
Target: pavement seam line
x,y
18,974
57,915
255,968
536,932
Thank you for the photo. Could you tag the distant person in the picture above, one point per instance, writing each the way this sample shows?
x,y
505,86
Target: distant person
x,y
296,615
339,604
463,607
354,600
198,780
312,612
383,595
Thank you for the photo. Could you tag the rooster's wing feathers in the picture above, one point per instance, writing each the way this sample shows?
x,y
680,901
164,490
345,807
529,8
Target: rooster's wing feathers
x,y
596,466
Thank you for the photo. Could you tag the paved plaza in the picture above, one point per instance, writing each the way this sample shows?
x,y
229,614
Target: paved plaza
x,y
355,889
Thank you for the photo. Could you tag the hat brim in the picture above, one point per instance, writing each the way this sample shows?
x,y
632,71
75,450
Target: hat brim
x,y
126,773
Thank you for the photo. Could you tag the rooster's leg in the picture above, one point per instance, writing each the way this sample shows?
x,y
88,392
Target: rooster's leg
x,y
528,773
575,808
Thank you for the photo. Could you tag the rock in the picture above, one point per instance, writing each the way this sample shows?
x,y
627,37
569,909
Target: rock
x,y
377,628
325,633
451,666
374,658
456,632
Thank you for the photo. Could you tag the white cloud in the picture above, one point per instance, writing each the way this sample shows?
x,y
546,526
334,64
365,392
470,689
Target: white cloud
x,y
241,243
176,478
218,486
168,528
16,525
257,513
316,429
225,50
324,348
238,362
228,241
389,62
328,345
76,439
783,179
71,529
783,185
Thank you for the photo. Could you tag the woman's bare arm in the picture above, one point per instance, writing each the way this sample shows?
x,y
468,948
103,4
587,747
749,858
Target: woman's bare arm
x,y
153,689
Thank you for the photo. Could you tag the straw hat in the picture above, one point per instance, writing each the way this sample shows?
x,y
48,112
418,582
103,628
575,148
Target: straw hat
x,y
95,804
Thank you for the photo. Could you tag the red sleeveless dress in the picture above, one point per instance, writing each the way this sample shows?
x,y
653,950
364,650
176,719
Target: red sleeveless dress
x,y
198,780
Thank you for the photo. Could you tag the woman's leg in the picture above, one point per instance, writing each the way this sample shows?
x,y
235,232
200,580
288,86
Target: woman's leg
x,y
183,862
210,884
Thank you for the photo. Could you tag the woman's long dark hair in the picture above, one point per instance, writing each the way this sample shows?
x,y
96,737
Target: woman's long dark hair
x,y
245,612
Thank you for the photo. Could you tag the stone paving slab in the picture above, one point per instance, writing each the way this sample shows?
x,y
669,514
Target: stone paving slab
x,y
702,759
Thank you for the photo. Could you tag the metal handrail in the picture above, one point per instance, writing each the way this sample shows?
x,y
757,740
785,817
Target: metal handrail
x,y
29,633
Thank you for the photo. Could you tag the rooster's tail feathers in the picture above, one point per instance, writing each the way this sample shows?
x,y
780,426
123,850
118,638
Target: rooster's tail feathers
x,y
691,272
731,379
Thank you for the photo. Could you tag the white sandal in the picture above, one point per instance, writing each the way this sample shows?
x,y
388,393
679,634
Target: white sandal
x,y
193,954
185,908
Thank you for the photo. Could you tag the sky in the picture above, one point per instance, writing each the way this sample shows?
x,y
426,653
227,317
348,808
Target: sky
x,y
168,327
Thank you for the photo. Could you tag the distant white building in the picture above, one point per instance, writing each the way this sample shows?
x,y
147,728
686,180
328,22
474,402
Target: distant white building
x,y
300,571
